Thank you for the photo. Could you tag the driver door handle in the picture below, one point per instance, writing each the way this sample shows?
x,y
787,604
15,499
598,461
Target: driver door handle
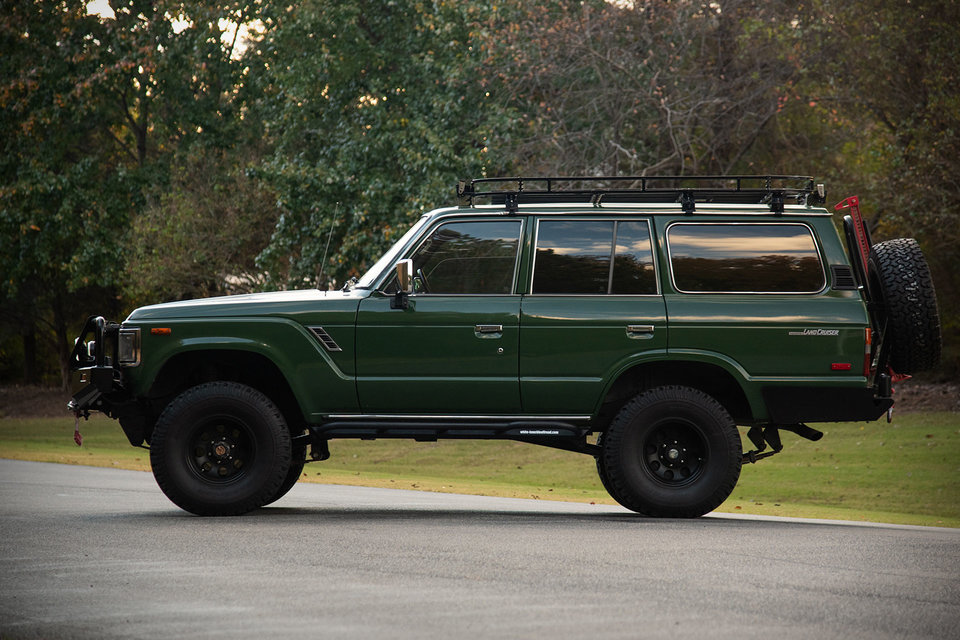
x,y
488,330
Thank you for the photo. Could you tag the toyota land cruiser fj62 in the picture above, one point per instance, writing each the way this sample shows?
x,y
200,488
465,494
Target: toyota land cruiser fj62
x,y
635,320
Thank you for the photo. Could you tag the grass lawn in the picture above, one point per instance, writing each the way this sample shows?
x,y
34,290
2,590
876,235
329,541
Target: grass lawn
x,y
905,472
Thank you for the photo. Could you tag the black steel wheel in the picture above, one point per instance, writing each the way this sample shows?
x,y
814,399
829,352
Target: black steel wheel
x,y
908,304
671,452
220,448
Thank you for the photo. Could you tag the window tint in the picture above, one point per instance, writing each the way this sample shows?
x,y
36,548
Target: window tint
x,y
633,264
747,258
468,257
578,257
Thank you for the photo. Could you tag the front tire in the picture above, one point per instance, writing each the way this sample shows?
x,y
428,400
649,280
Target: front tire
x,y
671,452
220,448
297,460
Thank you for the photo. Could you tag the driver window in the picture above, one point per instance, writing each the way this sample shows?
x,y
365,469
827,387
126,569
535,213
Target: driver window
x,y
474,257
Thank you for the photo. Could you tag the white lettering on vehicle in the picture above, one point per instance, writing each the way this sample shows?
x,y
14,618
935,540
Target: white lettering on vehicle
x,y
816,332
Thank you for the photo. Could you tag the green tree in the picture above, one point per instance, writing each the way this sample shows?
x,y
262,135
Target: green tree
x,y
95,112
376,109
650,87
63,192
206,217
886,86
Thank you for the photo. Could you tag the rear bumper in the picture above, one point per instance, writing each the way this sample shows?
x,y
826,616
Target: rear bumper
x,y
791,405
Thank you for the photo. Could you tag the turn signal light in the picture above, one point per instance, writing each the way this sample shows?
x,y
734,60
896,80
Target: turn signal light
x,y
161,331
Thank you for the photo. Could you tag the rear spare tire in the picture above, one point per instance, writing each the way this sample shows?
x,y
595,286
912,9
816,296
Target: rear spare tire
x,y
900,283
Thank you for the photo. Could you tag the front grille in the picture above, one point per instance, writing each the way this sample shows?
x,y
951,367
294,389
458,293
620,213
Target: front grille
x,y
329,343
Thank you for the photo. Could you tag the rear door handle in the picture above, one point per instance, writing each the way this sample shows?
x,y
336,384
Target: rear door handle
x,y
640,331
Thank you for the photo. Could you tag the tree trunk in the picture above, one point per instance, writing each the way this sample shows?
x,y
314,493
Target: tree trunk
x,y
60,335
29,335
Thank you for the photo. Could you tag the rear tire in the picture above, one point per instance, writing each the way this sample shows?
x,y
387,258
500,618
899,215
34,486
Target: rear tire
x,y
671,452
900,281
220,449
602,468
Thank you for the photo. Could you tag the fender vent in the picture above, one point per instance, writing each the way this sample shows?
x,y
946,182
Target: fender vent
x,y
843,277
329,343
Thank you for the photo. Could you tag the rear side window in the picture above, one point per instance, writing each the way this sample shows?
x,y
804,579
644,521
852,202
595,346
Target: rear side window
x,y
594,257
744,258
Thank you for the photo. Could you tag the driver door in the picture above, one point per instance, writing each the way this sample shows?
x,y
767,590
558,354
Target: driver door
x,y
455,349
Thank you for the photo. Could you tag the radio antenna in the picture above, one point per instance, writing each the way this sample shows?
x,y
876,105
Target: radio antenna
x,y
323,263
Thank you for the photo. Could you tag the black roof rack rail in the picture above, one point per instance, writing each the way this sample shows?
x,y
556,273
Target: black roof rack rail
x,y
772,190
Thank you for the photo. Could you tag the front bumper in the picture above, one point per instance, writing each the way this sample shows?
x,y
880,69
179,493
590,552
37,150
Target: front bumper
x,y
95,378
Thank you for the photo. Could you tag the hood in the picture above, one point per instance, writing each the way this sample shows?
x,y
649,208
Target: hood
x,y
275,303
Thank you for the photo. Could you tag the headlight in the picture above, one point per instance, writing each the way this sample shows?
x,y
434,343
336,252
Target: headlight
x,y
128,347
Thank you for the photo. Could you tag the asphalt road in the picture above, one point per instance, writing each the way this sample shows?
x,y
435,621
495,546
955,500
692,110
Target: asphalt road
x,y
101,553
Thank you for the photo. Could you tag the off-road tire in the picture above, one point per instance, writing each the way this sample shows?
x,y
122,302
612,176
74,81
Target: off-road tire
x,y
671,452
220,449
900,282
602,469
297,460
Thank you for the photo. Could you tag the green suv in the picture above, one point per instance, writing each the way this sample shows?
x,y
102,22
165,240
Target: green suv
x,y
636,320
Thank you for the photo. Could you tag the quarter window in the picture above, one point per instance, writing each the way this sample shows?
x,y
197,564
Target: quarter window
x,y
744,258
594,257
473,257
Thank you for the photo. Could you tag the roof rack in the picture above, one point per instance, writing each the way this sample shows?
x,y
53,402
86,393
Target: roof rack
x,y
773,190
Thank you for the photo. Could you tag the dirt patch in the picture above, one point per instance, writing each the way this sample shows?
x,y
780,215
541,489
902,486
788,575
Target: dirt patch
x,y
912,397
43,402
33,402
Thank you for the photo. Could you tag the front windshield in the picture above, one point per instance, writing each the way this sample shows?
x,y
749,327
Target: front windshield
x,y
389,257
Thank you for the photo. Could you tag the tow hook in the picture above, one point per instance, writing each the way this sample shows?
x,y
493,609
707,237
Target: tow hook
x,y
74,408
761,436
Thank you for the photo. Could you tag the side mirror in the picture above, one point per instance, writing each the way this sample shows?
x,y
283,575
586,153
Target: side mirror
x,y
405,275
404,285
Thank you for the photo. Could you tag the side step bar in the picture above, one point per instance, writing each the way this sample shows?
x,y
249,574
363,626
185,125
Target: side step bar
x,y
559,435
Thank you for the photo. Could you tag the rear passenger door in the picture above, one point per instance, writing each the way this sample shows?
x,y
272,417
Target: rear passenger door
x,y
593,306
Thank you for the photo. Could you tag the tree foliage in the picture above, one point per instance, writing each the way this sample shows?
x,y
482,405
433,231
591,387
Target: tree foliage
x,y
180,148
63,192
375,111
